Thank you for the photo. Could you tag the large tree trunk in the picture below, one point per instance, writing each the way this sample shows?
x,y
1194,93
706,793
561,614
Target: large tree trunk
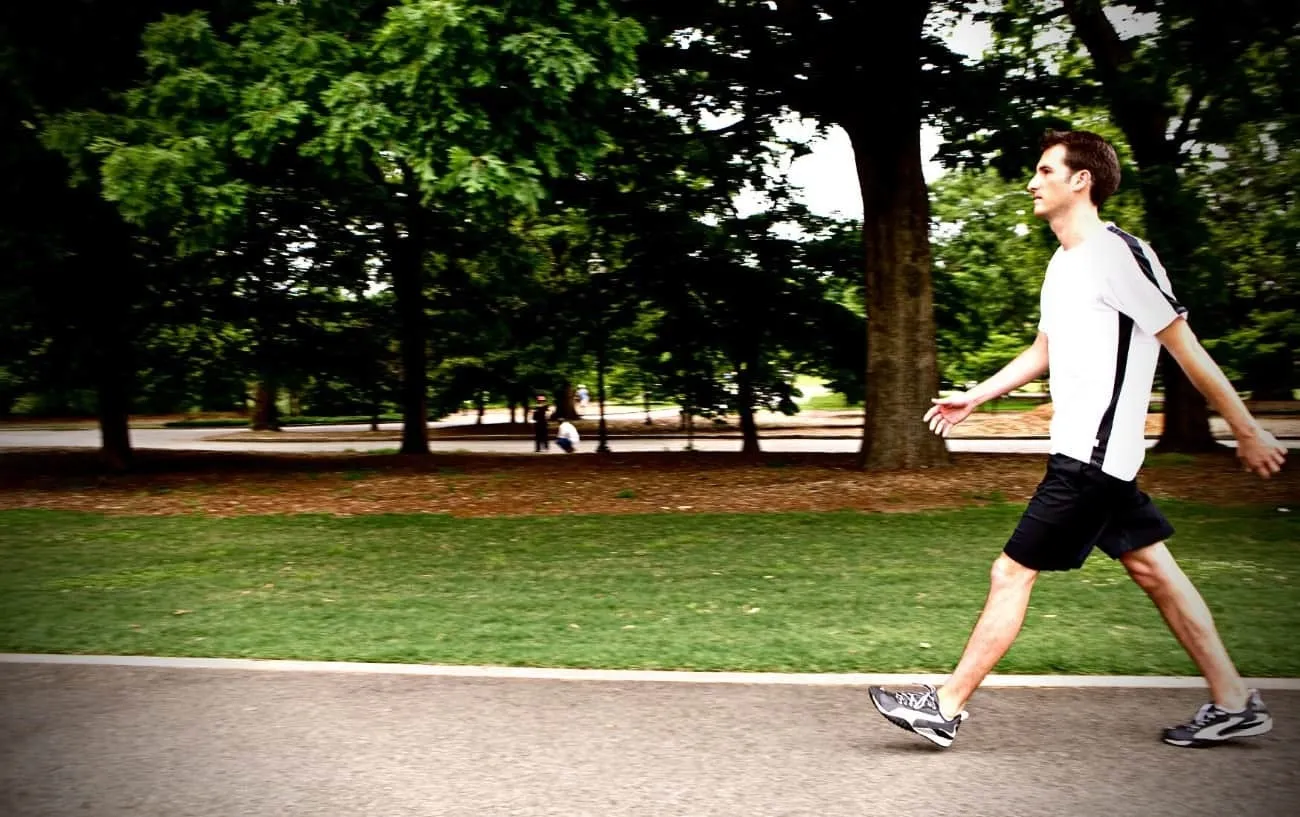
x,y
902,371
566,405
406,254
1170,212
266,416
101,312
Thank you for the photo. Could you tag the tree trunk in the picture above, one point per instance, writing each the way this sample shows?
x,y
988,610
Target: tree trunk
x,y
114,391
265,415
745,408
374,403
407,257
108,312
1186,414
602,429
902,370
566,407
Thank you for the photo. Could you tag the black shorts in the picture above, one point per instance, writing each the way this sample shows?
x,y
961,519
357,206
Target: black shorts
x,y
1078,507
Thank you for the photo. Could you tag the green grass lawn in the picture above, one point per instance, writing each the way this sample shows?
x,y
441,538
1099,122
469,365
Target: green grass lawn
x,y
796,592
831,401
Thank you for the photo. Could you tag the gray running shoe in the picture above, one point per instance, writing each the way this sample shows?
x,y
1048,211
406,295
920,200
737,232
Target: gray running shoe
x,y
917,712
1212,724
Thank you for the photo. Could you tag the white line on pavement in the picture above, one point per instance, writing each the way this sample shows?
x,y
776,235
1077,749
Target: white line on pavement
x,y
565,674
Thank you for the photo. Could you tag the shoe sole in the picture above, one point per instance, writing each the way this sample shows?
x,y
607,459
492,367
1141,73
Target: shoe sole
x,y
1202,743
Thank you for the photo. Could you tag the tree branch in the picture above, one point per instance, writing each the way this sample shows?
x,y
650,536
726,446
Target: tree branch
x,y
1190,110
1109,53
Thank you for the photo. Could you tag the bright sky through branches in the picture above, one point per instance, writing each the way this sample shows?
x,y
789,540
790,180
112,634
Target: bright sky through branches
x,y
826,176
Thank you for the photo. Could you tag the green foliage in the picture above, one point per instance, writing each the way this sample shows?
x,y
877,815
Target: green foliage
x,y
990,255
276,161
1196,100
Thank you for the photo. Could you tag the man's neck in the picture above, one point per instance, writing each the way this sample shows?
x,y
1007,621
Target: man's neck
x,y
1075,225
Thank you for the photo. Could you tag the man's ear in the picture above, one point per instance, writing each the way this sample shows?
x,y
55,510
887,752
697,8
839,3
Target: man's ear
x,y
1081,180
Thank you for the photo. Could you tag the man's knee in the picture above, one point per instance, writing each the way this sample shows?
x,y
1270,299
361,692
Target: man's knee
x,y
1008,573
1151,567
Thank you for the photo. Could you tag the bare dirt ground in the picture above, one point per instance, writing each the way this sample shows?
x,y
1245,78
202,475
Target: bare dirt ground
x,y
468,485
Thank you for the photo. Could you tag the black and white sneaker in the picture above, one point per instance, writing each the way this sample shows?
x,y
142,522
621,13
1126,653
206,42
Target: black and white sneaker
x,y
1213,724
917,712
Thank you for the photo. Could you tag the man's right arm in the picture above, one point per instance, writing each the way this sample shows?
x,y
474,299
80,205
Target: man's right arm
x,y
951,410
1030,364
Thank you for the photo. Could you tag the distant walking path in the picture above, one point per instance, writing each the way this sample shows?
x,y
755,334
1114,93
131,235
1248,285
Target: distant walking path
x,y
845,440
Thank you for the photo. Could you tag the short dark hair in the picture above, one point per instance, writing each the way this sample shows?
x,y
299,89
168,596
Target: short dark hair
x,y
1085,150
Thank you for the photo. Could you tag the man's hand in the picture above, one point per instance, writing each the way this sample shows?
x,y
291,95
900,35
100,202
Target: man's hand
x,y
948,412
1261,452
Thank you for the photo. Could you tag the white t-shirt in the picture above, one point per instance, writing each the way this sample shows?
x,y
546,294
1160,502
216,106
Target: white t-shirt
x,y
1102,303
568,432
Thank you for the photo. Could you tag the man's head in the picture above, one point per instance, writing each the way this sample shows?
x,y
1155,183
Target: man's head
x,y
1076,167
541,398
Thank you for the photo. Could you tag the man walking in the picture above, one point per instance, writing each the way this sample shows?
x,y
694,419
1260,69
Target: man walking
x,y
1106,310
541,435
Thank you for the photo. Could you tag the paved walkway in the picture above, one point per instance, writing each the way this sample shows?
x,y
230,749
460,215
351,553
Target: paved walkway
x,y
207,439
104,741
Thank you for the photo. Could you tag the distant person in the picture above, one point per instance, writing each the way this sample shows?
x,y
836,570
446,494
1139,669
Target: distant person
x,y
584,396
567,437
1107,308
541,434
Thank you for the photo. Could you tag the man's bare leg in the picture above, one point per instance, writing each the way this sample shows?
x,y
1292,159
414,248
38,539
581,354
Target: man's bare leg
x,y
998,625
1184,610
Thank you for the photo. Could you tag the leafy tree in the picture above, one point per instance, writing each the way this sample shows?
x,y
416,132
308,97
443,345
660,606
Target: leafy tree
x,y
863,67
77,276
419,115
1171,88
990,254
1253,227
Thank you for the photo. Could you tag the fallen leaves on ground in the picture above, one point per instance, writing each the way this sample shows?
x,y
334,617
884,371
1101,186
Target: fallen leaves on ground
x,y
467,485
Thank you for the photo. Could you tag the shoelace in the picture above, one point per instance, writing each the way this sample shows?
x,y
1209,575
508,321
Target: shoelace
x,y
1205,714
924,699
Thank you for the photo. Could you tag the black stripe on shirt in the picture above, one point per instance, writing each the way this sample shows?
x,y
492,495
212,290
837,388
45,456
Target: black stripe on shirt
x,y
1140,256
1121,366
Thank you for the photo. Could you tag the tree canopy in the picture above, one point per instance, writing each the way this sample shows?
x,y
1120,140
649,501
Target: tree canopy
x,y
412,205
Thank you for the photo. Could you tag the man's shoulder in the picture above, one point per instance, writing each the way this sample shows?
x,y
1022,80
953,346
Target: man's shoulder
x,y
1120,239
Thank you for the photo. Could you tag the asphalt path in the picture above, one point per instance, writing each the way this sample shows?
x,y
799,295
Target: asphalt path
x,y
209,439
110,741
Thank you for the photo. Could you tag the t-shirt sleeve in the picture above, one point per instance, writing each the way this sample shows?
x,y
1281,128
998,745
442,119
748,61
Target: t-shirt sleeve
x,y
1137,285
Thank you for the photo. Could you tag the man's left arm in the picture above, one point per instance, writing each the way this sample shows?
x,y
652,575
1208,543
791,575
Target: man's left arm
x,y
1258,449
